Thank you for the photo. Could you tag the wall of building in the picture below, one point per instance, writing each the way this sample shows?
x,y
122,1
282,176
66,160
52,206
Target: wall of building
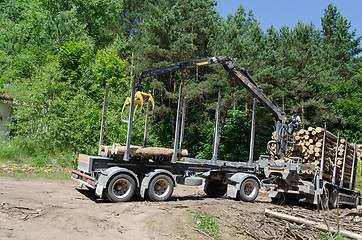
x,y
5,114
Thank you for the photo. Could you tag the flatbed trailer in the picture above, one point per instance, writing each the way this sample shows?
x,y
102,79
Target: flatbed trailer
x,y
288,181
119,177
119,181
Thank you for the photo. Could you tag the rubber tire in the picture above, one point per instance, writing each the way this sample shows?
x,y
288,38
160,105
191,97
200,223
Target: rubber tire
x,y
290,200
356,201
285,200
215,188
245,197
112,196
152,195
333,198
276,201
324,201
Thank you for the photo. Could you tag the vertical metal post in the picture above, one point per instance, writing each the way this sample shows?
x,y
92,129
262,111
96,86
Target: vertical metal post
x,y
278,127
146,124
103,117
344,162
130,121
177,130
351,181
252,135
335,161
216,130
323,152
183,122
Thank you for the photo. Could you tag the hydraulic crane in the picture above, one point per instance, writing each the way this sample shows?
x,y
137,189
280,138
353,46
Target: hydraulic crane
x,y
118,175
232,66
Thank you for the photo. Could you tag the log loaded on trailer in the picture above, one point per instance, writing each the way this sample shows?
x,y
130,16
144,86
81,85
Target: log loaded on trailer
x,y
121,171
325,179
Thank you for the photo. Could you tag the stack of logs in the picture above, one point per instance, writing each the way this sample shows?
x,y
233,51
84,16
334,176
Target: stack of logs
x,y
117,148
308,146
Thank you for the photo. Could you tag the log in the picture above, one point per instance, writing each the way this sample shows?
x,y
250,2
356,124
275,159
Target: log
x,y
319,129
316,225
147,151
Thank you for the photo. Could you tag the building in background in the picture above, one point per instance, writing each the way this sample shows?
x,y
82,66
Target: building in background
x,y
6,109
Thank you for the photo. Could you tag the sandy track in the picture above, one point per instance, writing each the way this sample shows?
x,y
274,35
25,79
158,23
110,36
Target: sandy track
x,y
51,209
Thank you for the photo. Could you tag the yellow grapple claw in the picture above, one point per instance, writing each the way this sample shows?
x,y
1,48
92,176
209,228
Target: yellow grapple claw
x,y
139,100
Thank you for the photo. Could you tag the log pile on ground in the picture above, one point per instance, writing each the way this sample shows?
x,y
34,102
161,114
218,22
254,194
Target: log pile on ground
x,y
117,148
308,146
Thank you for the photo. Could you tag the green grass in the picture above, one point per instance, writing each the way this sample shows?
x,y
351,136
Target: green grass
x,y
28,158
206,223
336,236
32,152
57,175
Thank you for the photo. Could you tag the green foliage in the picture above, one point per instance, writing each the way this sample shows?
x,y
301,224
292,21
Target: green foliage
x,y
73,58
206,223
335,236
26,150
57,56
67,107
349,106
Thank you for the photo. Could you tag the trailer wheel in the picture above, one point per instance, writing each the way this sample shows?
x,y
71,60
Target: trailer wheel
x,y
356,201
215,188
160,188
249,190
333,198
324,198
121,188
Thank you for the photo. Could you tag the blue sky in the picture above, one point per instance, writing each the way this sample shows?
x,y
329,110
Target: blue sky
x,y
288,12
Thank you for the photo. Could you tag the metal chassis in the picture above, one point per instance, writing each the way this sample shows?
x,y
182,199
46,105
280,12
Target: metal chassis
x,y
103,169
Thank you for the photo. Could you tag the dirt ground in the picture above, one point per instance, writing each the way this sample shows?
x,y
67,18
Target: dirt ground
x,y
54,209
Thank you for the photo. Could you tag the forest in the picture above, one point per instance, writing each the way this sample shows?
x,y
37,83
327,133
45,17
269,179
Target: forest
x,y
57,56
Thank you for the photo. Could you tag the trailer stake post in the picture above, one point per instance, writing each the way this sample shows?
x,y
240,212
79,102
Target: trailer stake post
x,y
105,101
323,152
146,123
252,134
344,163
183,122
335,161
216,130
351,181
177,130
130,121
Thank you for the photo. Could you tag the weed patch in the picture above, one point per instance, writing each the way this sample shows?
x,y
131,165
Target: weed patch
x,y
206,223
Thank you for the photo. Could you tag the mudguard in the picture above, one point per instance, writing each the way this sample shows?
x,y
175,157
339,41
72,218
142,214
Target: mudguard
x,y
147,178
235,181
108,174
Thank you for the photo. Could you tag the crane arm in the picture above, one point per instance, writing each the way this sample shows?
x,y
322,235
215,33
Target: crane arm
x,y
232,66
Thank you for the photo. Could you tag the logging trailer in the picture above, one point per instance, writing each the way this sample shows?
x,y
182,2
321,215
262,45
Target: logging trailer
x,y
122,171
149,172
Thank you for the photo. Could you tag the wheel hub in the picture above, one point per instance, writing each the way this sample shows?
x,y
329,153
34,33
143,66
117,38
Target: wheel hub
x,y
161,187
121,187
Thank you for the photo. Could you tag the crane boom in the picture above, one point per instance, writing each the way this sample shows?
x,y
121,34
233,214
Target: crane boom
x,y
231,65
